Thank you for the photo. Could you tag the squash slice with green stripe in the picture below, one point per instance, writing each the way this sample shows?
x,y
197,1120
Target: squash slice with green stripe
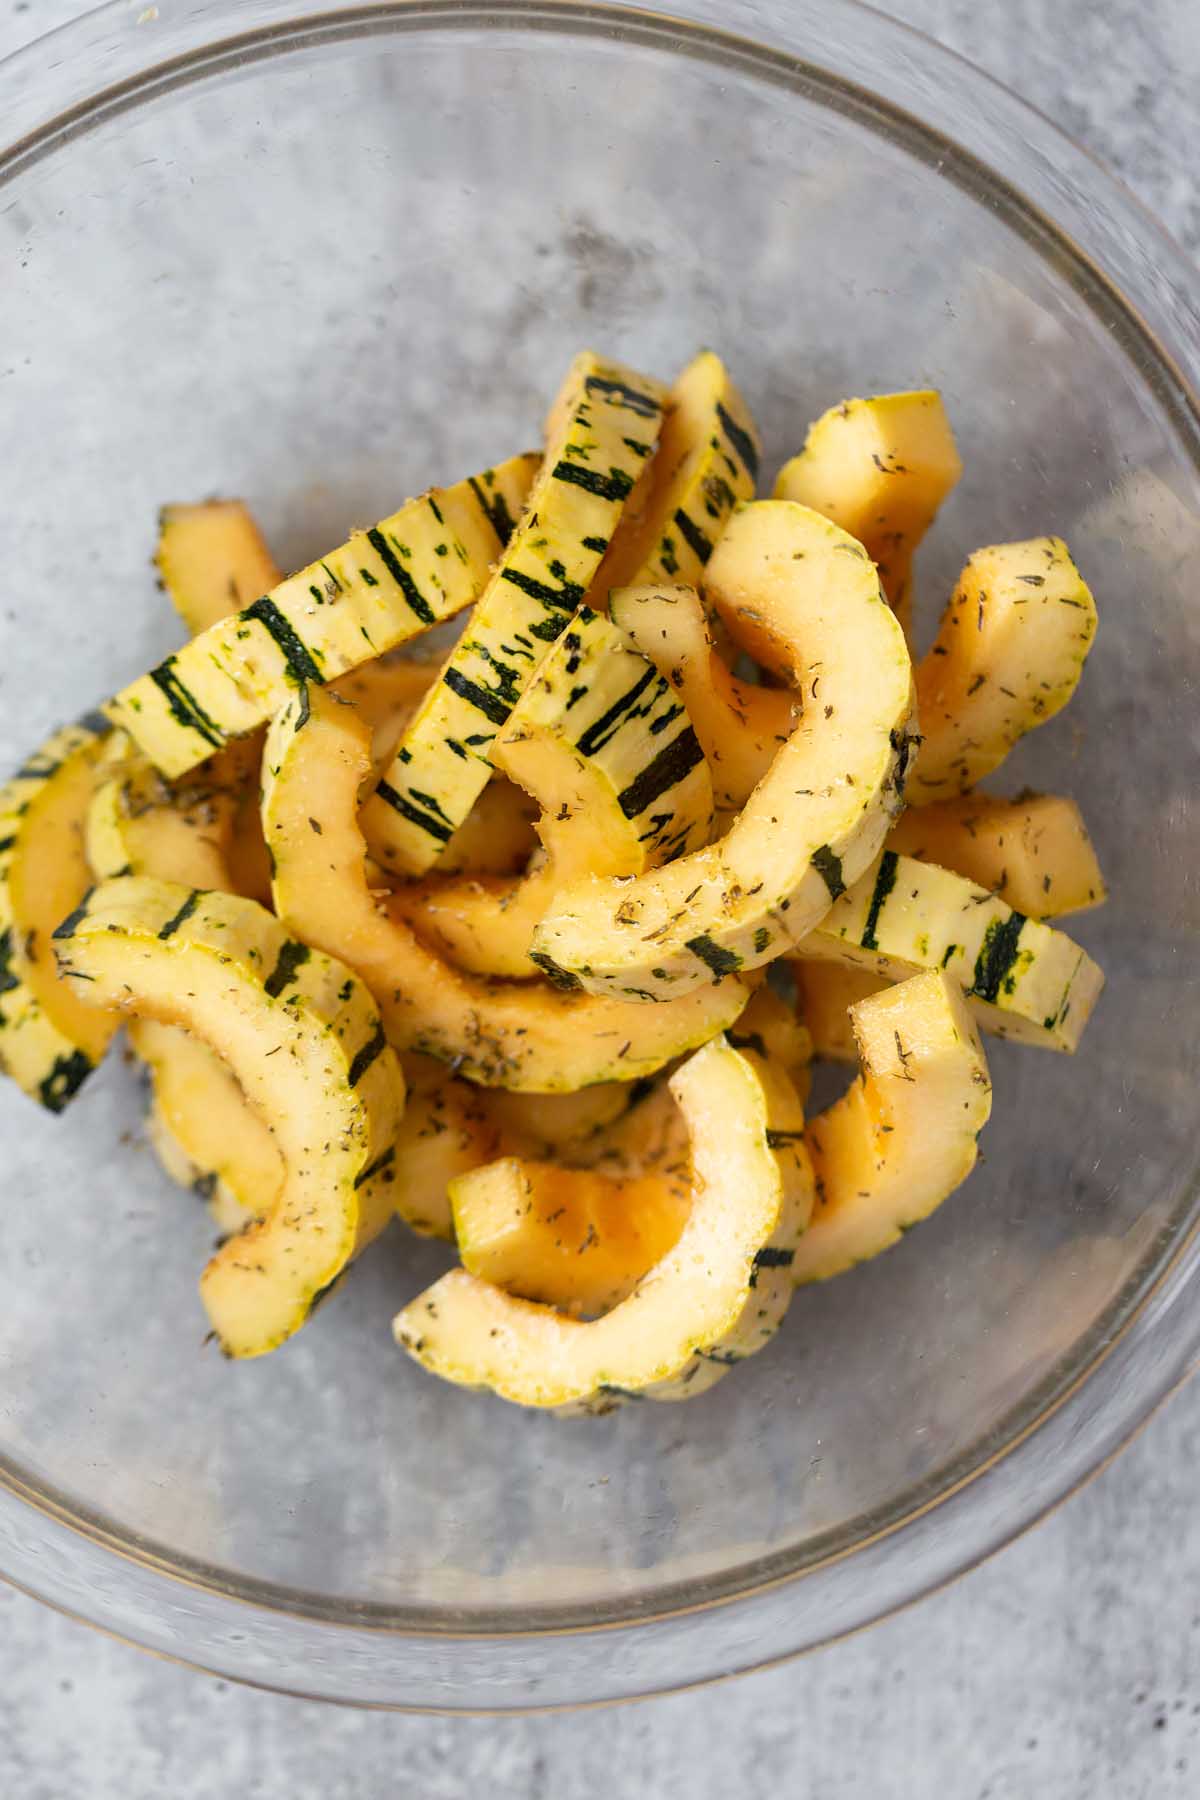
x,y
1025,980
880,468
904,1135
739,725
519,1035
1034,851
304,1040
803,598
51,1036
706,462
1008,656
604,425
607,751
421,565
689,1318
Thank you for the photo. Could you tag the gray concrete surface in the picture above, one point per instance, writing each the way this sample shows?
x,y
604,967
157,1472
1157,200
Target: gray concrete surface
x,y
1066,1669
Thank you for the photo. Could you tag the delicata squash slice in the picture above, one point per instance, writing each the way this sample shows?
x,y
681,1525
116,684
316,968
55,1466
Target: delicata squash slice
x,y
1025,980
803,597
602,428
688,1318
904,1134
303,1038
212,560
421,565
1008,655
707,460
1034,852
202,1128
518,1035
740,726
603,745
880,468
51,1036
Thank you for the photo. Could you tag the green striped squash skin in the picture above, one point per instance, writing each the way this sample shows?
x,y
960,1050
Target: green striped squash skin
x,y
608,425
617,713
708,459
1025,980
603,745
423,564
46,1061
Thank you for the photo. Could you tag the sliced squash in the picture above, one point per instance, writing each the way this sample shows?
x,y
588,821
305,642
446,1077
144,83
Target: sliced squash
x,y
206,1134
904,1135
674,1326
1008,656
447,1129
605,424
1025,980
518,1035
740,726
602,744
212,560
804,599
386,692
303,1039
707,460
541,1126
139,824
880,468
51,1036
424,563
1033,851
825,993
573,1238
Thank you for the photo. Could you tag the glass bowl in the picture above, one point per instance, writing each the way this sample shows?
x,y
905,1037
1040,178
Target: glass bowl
x,y
318,255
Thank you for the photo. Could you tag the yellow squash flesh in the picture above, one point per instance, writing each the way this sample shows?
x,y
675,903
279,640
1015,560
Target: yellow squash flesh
x,y
1007,657
740,726
903,1137
803,598
672,1331
212,560
304,1041
1034,851
519,1035
880,468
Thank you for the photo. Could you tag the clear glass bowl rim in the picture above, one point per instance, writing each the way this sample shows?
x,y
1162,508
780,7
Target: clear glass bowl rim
x,y
985,137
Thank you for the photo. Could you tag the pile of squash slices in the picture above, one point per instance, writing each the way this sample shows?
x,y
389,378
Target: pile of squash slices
x,y
532,942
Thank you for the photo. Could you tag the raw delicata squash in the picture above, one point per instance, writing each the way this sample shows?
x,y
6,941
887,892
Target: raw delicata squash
x,y
423,564
904,1135
803,598
51,1036
212,560
685,1321
1008,656
1034,852
603,745
202,1128
706,462
523,1035
1025,980
603,426
879,468
740,726
303,1039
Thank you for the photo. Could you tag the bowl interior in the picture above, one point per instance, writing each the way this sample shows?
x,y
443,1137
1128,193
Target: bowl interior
x,y
352,263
